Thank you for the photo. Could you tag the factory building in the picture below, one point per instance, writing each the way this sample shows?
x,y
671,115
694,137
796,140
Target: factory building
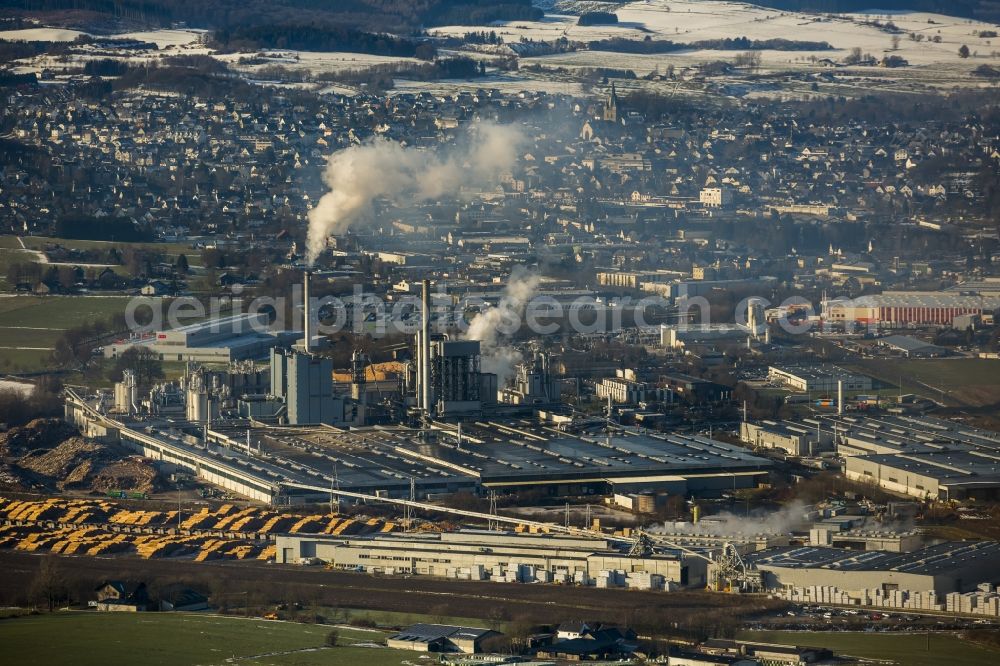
x,y
824,378
499,556
533,383
692,288
456,379
455,384
305,384
242,336
680,336
521,454
634,279
861,577
695,389
937,475
893,309
922,457
624,391
796,439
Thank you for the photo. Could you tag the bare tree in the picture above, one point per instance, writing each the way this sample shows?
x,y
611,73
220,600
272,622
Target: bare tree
x,y
49,585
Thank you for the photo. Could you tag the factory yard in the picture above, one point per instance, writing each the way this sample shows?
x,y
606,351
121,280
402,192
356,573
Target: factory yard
x,y
181,639
100,528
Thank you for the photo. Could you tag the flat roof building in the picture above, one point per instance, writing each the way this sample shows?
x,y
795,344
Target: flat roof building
x,y
956,566
221,340
909,308
911,347
498,556
922,456
825,378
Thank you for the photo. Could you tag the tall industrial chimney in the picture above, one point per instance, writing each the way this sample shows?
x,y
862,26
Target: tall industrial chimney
x,y
425,349
840,396
418,375
306,314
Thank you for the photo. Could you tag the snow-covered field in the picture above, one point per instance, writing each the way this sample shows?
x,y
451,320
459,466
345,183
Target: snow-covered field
x,y
314,62
686,21
40,35
933,65
166,38
506,84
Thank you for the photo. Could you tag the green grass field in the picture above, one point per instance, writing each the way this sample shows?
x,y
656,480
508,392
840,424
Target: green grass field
x,y
57,312
393,619
30,325
171,250
903,649
958,381
10,256
12,252
100,639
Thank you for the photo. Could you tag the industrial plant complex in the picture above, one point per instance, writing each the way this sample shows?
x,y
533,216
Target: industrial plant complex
x,y
530,331
282,426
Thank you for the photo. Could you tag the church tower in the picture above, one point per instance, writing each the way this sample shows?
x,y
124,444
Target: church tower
x,y
611,106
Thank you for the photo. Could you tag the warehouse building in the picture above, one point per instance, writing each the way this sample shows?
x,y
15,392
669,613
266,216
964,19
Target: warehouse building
x,y
865,434
930,474
223,340
860,576
825,378
794,438
511,557
921,456
894,309
910,347
683,335
522,454
440,638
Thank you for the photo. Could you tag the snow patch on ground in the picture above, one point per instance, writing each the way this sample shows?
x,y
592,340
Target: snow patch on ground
x,y
41,35
23,388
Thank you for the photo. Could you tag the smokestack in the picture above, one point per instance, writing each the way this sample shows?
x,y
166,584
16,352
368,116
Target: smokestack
x,y
425,349
840,396
418,352
306,314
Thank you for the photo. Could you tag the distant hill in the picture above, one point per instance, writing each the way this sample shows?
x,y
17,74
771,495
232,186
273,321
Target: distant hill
x,y
376,15
983,10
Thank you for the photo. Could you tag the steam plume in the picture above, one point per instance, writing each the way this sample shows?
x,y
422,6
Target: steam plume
x,y
782,521
493,326
404,175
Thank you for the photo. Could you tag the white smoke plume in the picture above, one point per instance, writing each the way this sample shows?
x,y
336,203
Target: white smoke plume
x,y
405,176
493,326
786,519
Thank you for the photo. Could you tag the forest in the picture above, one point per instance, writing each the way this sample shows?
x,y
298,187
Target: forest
x,y
653,46
377,15
312,37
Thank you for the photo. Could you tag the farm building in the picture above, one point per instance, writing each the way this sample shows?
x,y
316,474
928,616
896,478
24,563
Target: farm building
x,y
440,638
